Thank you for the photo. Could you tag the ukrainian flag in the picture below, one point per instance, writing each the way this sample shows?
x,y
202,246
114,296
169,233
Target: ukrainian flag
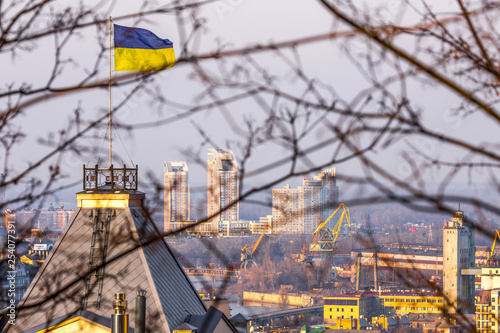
x,y
141,50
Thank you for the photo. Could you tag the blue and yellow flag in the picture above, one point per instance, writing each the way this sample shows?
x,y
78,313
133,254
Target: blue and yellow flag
x,y
141,50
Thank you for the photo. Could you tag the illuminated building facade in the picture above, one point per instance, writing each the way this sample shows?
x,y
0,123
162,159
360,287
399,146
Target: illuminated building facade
x,y
176,195
354,306
458,254
405,303
286,211
297,211
222,188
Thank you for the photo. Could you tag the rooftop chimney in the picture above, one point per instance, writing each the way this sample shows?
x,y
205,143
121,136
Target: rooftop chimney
x,y
119,319
140,311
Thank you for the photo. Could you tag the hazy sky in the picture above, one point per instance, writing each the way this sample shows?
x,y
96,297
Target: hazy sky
x,y
233,23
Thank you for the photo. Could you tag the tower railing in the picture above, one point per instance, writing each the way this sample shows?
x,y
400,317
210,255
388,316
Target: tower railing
x,y
111,178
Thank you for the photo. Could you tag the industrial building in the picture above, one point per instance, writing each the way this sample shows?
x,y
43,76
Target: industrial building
x,y
458,254
352,306
394,260
410,302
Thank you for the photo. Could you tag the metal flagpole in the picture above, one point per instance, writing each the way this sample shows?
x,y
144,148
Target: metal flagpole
x,y
109,89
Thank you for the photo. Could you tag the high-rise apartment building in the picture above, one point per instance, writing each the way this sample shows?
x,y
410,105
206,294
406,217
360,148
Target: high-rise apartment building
x,y
458,253
222,187
310,203
286,211
329,194
299,210
176,196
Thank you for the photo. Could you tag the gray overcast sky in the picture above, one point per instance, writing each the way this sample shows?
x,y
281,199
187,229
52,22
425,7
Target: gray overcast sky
x,y
235,23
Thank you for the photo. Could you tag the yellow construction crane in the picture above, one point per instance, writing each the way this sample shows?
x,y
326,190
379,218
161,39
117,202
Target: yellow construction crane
x,y
247,252
324,238
494,241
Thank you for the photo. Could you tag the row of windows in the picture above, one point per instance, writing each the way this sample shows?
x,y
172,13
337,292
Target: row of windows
x,y
412,300
412,308
352,310
340,317
341,302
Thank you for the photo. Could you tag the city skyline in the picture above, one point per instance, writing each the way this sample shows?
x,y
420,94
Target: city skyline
x,y
273,116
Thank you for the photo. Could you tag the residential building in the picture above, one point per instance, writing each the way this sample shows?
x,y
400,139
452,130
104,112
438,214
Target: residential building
x,y
47,219
310,204
222,187
176,196
487,311
286,214
63,216
298,211
53,219
458,254
27,218
329,194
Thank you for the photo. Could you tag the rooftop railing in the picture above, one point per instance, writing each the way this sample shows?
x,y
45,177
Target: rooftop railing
x,y
95,179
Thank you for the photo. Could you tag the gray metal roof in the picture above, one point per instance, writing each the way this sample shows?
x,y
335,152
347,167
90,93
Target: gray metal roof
x,y
59,287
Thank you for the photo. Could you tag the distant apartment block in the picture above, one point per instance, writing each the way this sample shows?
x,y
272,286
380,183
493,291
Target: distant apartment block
x,y
297,211
50,219
310,203
27,218
329,193
286,211
222,188
53,219
176,194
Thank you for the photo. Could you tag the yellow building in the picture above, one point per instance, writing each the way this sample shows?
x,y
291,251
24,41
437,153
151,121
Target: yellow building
x,y
353,306
487,311
403,303
82,321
